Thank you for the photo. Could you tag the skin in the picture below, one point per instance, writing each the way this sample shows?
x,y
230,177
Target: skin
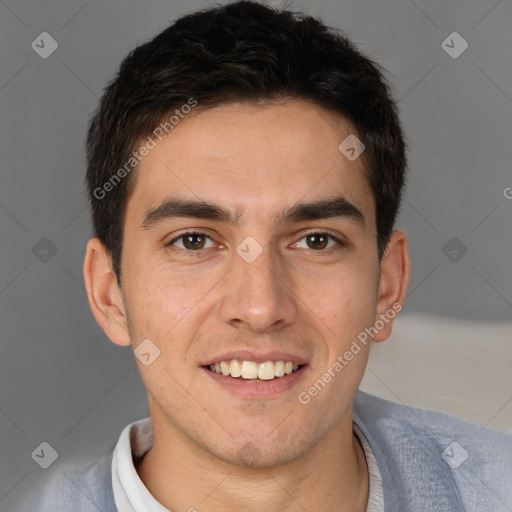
x,y
213,451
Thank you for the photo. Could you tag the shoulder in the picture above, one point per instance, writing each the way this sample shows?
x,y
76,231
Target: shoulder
x,y
77,488
441,453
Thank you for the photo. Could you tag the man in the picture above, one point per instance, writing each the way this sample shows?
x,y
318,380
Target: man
x,y
245,169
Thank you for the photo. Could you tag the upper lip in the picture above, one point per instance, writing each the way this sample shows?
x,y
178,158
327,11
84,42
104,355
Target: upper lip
x,y
257,357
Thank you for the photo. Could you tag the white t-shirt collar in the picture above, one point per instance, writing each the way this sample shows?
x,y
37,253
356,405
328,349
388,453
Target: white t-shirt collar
x,y
131,495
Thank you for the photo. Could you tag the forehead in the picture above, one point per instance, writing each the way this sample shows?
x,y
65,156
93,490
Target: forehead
x,y
253,159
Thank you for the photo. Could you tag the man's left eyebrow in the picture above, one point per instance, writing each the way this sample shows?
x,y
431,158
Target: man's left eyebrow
x,y
324,209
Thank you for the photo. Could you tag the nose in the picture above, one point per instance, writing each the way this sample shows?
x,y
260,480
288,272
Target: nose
x,y
259,295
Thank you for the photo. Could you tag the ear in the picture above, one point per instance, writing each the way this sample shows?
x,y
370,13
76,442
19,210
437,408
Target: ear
x,y
105,297
394,279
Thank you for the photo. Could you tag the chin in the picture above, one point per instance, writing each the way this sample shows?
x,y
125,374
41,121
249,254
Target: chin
x,y
262,453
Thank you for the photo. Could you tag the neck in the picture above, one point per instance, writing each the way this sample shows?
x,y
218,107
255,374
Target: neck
x,y
182,476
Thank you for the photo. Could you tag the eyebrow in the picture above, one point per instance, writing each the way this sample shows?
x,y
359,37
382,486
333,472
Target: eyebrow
x,y
324,209
316,210
173,208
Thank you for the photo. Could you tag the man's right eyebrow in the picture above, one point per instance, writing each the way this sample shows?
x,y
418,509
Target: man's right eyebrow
x,y
199,209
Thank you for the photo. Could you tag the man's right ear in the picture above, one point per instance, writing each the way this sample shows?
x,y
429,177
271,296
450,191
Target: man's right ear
x,y
105,297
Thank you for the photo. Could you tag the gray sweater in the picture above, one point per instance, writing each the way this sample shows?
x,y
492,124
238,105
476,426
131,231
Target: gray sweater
x,y
429,462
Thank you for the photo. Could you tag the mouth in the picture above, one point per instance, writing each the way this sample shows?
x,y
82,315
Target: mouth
x,y
245,370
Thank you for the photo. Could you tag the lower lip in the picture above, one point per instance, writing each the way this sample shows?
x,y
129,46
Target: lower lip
x,y
258,390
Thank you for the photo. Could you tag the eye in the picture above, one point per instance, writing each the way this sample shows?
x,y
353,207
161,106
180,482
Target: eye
x,y
318,241
191,241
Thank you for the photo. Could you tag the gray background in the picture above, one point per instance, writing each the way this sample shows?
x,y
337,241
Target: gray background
x,y
61,380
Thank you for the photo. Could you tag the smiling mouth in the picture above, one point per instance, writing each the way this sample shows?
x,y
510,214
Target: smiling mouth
x,y
250,370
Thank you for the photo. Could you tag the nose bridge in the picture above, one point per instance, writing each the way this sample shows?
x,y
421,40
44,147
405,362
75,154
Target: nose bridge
x,y
257,295
261,276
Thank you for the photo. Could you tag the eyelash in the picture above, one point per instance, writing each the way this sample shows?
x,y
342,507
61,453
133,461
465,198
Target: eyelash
x,y
340,243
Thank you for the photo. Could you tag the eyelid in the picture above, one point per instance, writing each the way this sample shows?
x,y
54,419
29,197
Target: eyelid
x,y
188,232
317,231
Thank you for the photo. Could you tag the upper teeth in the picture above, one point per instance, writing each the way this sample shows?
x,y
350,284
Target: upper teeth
x,y
252,370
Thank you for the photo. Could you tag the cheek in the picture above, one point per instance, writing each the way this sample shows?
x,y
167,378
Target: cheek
x,y
159,297
169,309
344,301
162,313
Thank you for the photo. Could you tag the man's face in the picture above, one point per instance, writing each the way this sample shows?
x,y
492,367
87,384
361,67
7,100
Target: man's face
x,y
266,280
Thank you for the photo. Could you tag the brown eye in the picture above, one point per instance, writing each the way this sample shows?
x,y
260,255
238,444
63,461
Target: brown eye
x,y
317,241
191,242
194,241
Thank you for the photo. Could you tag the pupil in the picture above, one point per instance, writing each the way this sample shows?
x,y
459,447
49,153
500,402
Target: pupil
x,y
317,241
